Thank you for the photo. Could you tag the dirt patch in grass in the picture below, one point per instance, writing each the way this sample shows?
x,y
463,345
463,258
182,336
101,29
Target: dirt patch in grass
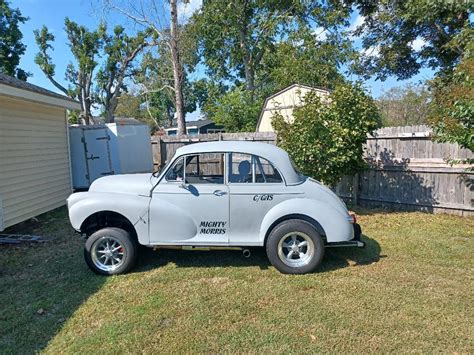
x,y
409,290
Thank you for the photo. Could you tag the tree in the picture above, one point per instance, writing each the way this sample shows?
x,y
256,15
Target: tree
x,y
262,46
85,46
11,46
120,51
452,111
156,80
235,35
400,37
152,14
405,106
307,59
131,104
236,110
326,139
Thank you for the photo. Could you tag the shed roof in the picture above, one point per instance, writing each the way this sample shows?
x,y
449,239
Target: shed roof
x,y
277,156
14,87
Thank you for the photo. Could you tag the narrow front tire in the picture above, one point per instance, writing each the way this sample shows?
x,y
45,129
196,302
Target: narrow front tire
x,y
110,251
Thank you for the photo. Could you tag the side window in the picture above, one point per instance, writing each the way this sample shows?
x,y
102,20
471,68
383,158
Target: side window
x,y
246,168
206,168
176,172
265,172
240,168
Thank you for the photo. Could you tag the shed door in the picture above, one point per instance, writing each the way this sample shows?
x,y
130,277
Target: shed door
x,y
97,150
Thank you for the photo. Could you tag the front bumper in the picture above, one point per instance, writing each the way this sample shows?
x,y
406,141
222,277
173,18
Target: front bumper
x,y
356,242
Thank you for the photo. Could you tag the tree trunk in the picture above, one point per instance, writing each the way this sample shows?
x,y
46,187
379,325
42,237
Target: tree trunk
x,y
110,107
177,69
247,59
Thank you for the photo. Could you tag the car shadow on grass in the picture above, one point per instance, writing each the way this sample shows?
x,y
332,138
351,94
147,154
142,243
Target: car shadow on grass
x,y
338,258
334,258
43,284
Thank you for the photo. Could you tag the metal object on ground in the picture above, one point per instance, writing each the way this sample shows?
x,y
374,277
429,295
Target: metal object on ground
x,y
20,238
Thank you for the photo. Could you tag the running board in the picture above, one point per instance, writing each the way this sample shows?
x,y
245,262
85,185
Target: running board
x,y
350,243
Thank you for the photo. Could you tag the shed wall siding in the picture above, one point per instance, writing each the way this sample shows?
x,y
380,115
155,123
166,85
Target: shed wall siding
x,y
284,103
34,159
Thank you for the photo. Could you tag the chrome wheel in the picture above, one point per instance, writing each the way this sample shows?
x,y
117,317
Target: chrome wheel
x,y
296,249
108,253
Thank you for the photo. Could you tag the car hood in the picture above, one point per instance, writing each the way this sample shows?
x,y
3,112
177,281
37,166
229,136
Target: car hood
x,y
135,184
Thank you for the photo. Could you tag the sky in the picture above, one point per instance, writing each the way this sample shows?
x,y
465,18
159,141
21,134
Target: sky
x,y
89,13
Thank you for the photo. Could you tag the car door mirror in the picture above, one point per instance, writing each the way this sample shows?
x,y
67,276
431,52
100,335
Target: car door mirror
x,y
184,186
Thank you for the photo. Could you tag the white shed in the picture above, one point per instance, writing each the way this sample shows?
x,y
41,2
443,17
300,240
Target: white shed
x,y
35,174
284,102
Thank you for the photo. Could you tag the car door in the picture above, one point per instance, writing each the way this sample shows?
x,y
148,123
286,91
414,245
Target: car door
x,y
190,205
255,186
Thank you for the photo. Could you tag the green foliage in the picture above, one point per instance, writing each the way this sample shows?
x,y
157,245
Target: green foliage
x,y
326,139
11,46
393,26
234,35
120,51
307,56
405,106
236,110
132,105
452,112
85,46
263,46
157,81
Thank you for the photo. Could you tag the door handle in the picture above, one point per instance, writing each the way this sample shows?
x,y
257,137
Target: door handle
x,y
219,193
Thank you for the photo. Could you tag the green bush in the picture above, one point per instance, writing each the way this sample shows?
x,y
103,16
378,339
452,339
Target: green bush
x,y
452,110
236,110
326,139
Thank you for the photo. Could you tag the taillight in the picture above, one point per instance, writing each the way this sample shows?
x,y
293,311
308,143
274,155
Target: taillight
x,y
352,218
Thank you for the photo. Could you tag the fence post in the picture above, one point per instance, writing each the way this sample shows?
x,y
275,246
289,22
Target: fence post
x,y
355,189
162,152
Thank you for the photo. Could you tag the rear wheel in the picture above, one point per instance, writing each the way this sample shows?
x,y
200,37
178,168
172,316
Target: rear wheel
x,y
110,251
295,247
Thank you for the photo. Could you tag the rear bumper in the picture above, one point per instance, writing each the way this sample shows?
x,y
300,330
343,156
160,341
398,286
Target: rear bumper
x,y
356,242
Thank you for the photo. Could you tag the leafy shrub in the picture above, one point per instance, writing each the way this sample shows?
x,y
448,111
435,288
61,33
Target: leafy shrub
x,y
452,110
326,139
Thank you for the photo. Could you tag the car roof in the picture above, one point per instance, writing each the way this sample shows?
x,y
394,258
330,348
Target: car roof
x,y
277,156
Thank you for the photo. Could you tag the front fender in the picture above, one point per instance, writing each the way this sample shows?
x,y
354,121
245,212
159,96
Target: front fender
x,y
333,221
133,207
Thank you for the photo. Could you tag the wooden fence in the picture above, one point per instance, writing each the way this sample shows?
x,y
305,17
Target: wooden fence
x,y
407,169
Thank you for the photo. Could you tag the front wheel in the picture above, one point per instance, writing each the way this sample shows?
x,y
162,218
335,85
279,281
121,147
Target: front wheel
x,y
110,251
295,247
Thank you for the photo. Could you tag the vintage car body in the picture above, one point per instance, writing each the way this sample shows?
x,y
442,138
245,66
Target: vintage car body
x,y
215,194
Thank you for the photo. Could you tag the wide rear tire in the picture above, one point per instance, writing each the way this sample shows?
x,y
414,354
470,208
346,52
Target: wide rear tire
x,y
295,247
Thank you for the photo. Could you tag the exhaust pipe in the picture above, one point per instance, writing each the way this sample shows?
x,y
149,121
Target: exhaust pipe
x,y
246,253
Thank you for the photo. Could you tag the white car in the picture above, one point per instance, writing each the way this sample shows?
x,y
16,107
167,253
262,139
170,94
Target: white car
x,y
215,195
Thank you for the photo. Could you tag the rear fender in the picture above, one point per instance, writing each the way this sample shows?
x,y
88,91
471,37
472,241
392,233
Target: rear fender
x,y
334,222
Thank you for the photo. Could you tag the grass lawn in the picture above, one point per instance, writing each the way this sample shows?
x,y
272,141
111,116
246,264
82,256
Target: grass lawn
x,y
410,290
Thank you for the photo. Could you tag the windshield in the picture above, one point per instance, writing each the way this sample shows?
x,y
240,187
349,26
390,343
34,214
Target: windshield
x,y
158,171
